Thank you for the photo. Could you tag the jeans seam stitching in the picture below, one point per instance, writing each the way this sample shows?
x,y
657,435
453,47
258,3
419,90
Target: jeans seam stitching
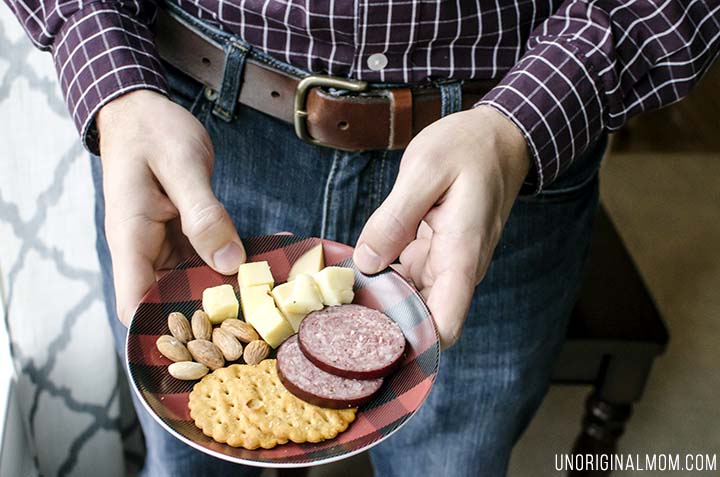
x,y
381,180
196,106
327,200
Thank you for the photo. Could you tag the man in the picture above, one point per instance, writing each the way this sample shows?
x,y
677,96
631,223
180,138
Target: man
x,y
502,192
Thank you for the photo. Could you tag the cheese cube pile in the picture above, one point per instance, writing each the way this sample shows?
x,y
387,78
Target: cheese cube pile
x,y
220,303
329,287
255,273
298,298
336,285
305,295
270,324
283,295
256,281
276,312
254,298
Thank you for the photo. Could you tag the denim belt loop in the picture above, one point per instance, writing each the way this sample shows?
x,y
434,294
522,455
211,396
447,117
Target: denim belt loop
x,y
450,97
227,98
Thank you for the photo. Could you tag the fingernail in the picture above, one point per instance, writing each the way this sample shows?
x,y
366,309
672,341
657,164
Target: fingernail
x,y
367,259
228,259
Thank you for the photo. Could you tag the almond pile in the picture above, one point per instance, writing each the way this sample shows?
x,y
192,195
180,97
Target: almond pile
x,y
196,347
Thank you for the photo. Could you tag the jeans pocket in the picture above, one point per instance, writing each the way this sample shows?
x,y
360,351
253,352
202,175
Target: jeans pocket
x,y
581,175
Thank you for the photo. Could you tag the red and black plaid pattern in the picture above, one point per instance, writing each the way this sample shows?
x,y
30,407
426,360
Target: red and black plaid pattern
x,y
181,290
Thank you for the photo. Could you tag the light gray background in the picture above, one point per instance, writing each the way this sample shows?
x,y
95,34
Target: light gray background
x,y
68,380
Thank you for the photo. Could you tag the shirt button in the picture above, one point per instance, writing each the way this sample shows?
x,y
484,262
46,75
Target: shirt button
x,y
377,61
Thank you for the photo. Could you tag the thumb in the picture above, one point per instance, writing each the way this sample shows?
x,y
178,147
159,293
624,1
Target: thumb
x,y
395,223
204,220
211,232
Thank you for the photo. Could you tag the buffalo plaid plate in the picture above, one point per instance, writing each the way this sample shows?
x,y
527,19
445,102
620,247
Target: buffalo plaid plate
x,y
181,290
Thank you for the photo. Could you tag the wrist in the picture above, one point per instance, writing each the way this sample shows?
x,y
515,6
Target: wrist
x,y
510,139
511,147
132,107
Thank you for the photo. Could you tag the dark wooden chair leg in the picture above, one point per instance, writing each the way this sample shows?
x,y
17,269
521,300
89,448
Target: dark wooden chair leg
x,y
614,335
609,407
603,424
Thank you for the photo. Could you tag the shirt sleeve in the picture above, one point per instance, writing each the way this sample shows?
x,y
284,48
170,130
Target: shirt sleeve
x,y
594,64
101,50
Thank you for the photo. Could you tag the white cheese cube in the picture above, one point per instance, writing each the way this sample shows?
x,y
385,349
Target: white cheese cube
x,y
336,285
305,295
310,262
283,295
255,273
270,324
253,298
220,303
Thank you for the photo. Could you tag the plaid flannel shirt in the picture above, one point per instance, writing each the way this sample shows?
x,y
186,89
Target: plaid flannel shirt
x,y
569,70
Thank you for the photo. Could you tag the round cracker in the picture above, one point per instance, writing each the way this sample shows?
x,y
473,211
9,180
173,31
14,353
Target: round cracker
x,y
285,416
218,405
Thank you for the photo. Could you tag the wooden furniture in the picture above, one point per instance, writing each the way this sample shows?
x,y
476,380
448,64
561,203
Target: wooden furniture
x,y
614,335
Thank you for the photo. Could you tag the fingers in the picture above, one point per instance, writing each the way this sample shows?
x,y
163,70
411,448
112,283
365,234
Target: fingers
x,y
413,260
156,169
133,244
452,268
135,215
205,221
395,223
460,251
449,300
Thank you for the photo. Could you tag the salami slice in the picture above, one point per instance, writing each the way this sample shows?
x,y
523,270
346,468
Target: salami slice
x,y
313,385
352,341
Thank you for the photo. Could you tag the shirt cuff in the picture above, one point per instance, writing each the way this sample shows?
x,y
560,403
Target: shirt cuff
x,y
101,53
552,96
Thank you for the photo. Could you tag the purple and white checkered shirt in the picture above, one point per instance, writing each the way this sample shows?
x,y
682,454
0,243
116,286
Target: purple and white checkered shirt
x,y
570,69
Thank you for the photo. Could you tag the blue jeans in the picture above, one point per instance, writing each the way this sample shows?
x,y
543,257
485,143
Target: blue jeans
x,y
492,381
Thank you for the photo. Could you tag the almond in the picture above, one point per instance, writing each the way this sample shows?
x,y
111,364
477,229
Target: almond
x,y
172,348
205,352
180,327
228,344
201,327
187,370
240,330
256,351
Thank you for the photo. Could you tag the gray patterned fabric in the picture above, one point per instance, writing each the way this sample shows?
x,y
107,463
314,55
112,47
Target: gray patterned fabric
x,y
70,384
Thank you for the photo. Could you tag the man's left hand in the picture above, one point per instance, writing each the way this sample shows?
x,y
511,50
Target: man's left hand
x,y
457,183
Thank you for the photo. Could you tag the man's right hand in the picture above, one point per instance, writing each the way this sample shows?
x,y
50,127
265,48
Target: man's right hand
x,y
157,162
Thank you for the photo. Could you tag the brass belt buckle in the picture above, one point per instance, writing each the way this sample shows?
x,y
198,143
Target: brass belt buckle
x,y
306,84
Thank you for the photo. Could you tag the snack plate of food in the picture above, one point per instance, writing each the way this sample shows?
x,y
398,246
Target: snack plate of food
x,y
298,360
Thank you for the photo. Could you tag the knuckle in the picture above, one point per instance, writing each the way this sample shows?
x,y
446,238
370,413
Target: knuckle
x,y
201,219
116,224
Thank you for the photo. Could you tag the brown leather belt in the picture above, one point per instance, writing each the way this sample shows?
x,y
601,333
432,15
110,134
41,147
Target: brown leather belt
x,y
364,120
